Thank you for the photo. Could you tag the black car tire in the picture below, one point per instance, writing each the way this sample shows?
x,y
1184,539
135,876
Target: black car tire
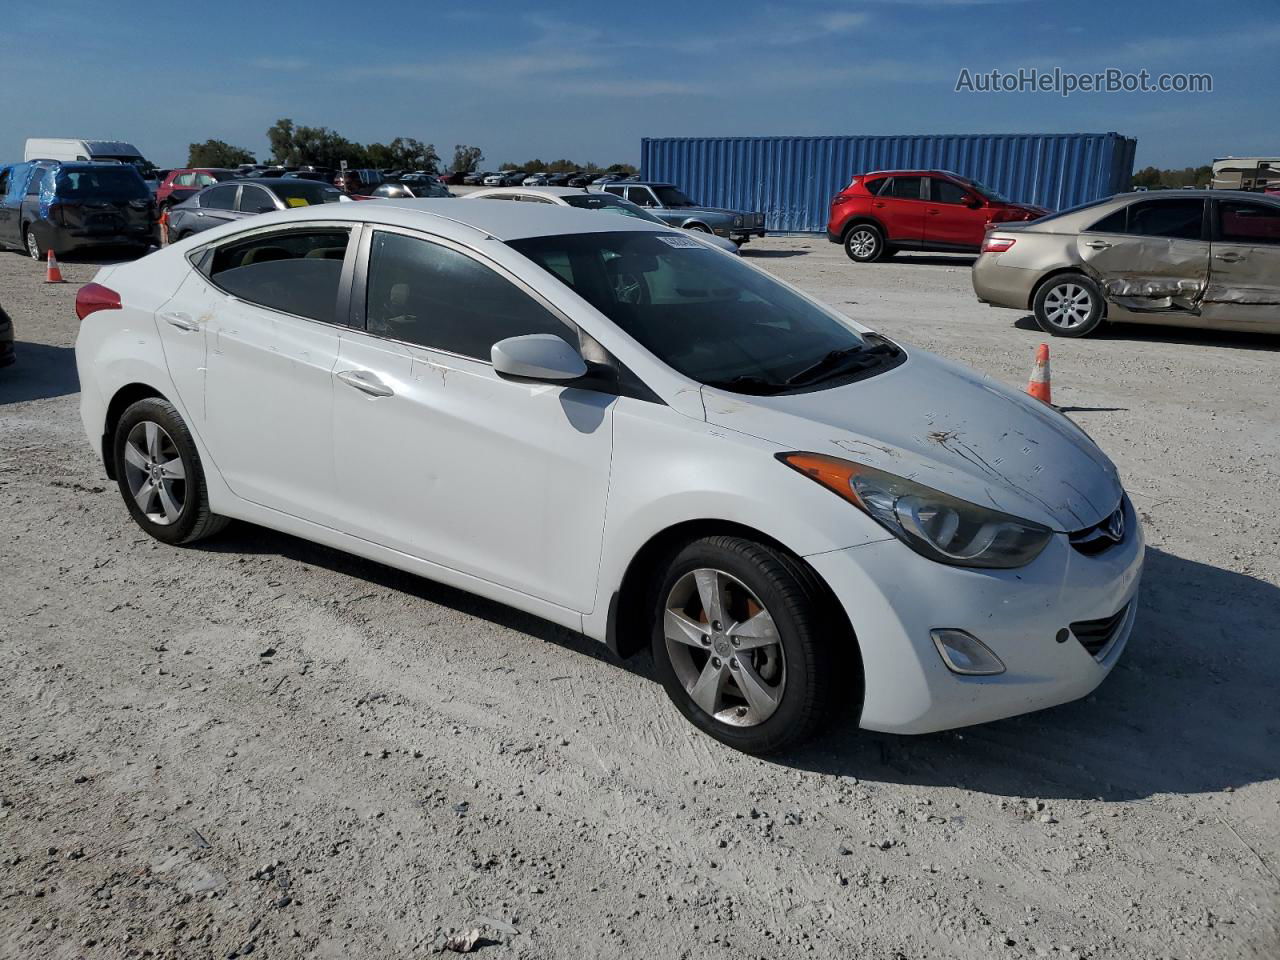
x,y
864,243
31,243
699,227
194,520
1068,305
801,611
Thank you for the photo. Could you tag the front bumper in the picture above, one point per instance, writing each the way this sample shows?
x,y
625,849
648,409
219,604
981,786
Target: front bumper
x,y
894,597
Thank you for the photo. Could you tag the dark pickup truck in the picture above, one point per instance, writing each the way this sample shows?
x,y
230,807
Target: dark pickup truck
x,y
61,206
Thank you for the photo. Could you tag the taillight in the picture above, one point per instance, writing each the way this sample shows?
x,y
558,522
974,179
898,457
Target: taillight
x,y
997,244
93,297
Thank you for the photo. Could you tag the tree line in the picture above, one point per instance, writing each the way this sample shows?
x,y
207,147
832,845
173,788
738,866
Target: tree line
x,y
1153,178
296,145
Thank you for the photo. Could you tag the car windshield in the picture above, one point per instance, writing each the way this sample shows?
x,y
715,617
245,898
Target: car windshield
x,y
107,183
983,189
671,197
304,193
711,317
607,201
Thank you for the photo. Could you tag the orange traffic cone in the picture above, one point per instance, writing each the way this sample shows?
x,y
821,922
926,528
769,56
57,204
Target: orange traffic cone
x,y
1038,385
52,273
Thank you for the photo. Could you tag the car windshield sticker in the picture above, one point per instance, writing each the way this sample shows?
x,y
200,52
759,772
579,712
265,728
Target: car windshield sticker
x,y
296,201
675,240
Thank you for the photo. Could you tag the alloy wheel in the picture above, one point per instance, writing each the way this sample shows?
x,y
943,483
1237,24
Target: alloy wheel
x,y
33,245
155,473
862,243
724,647
1068,305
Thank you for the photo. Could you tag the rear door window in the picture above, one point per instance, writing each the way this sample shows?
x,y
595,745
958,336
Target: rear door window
x,y
1176,219
903,188
297,272
437,297
37,178
219,198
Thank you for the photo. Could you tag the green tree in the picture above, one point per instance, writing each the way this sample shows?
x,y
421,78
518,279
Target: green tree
x,y
217,153
465,158
1147,177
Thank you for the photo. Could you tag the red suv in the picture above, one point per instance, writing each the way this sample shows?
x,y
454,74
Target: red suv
x,y
878,214
183,184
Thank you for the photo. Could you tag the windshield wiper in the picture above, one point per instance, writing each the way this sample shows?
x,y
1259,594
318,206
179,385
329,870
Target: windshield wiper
x,y
845,360
747,383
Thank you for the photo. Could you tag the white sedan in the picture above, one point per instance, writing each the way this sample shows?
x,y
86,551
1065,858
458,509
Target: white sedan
x,y
600,421
581,199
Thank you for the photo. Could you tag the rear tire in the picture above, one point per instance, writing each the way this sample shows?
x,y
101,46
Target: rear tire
x,y
160,476
864,243
1068,305
756,668
35,249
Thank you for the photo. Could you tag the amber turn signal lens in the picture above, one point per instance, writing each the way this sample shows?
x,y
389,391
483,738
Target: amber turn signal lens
x,y
834,474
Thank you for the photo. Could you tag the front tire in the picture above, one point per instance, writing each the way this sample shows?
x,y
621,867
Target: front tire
x,y
864,243
743,643
160,476
1068,305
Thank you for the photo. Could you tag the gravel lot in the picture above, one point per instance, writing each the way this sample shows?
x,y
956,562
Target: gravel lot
x,y
260,745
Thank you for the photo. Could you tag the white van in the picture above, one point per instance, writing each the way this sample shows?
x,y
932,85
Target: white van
x,y
56,148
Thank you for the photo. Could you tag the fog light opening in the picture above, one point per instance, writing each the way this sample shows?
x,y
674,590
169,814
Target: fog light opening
x,y
965,654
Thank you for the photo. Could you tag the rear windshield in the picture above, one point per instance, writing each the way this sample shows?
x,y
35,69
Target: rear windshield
x,y
607,201
709,316
304,193
107,183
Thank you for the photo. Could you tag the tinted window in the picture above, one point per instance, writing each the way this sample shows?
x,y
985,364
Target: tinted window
x,y
616,191
434,296
295,272
1115,222
219,198
671,197
101,183
1243,222
709,316
1178,219
305,193
255,200
944,191
875,186
904,188
641,195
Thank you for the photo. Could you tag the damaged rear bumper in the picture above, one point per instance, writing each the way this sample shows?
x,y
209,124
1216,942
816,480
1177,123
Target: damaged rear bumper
x,y
894,597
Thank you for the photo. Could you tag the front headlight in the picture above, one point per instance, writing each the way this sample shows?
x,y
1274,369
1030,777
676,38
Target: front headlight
x,y
934,524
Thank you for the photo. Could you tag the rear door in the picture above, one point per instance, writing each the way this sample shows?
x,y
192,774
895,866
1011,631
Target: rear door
x,y
217,206
267,305
951,217
13,188
1151,256
1244,269
900,207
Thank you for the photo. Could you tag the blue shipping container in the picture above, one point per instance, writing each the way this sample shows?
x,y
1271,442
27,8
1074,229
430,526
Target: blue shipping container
x,y
792,179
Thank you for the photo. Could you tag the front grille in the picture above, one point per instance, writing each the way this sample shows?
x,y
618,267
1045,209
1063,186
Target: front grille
x,y
1096,635
1103,535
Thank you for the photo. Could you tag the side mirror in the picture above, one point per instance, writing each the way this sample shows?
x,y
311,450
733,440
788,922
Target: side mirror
x,y
540,357
972,202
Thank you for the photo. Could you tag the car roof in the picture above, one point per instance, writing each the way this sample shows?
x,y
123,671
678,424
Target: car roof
x,y
275,181
520,191
642,183
1181,194
501,221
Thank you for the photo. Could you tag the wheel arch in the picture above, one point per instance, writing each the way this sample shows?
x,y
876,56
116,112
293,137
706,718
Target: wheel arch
x,y
626,631
860,219
121,401
1062,271
693,222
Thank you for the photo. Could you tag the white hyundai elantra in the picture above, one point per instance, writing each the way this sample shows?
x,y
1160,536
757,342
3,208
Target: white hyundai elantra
x,y
608,424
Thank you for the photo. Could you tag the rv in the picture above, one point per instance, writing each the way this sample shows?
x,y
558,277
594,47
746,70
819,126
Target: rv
x,y
1258,174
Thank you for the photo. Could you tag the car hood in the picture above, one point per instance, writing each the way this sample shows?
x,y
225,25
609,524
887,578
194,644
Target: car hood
x,y
943,425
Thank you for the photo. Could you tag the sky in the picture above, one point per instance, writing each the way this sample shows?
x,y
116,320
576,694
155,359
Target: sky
x,y
587,80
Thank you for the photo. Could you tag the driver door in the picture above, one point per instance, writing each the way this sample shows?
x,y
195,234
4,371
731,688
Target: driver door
x,y
438,457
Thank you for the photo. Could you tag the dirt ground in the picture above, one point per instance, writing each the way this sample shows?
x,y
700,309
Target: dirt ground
x,y
259,746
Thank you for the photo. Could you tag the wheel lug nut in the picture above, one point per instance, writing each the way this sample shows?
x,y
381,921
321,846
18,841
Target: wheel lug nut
x,y
705,640
734,663
735,641
715,662
715,625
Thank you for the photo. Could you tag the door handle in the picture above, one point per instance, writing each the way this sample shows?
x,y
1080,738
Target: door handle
x,y
1099,244
1230,257
365,382
878,203
181,321
934,213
